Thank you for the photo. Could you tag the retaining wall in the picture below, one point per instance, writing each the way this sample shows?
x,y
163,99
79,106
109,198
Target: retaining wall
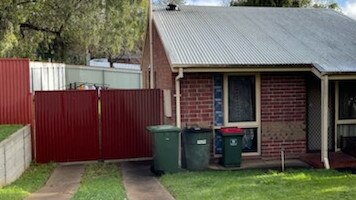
x,y
15,155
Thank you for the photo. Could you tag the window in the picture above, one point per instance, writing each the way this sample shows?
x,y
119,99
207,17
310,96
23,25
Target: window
x,y
347,100
345,115
241,108
249,140
242,99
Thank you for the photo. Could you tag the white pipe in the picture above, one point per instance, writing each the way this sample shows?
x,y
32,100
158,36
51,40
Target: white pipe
x,y
326,163
282,160
324,120
151,47
178,113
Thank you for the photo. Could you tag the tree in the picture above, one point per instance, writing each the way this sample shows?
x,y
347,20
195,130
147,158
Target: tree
x,y
66,30
286,3
166,2
121,36
271,3
329,5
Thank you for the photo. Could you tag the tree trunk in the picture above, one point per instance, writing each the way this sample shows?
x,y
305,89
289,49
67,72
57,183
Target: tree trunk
x,y
111,61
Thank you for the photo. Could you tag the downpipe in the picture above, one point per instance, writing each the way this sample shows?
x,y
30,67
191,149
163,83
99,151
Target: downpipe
x,y
178,114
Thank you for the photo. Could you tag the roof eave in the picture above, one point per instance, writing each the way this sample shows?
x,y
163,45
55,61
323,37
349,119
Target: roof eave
x,y
241,68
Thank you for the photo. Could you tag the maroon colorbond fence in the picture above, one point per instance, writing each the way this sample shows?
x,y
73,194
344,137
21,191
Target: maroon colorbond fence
x,y
15,95
125,115
67,127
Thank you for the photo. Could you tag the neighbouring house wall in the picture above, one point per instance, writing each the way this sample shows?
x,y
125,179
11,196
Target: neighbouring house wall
x,y
112,78
15,155
197,99
283,115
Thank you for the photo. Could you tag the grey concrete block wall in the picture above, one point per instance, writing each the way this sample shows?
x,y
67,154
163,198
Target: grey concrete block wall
x,y
15,155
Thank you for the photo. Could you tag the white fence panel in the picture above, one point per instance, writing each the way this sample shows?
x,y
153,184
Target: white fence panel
x,y
47,76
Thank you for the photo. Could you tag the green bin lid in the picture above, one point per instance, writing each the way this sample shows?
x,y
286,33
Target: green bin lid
x,y
163,128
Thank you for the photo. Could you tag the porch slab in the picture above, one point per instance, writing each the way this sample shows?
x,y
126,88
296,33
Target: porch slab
x,y
262,164
337,160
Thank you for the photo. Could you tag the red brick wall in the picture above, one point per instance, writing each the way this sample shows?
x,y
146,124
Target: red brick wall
x,y
197,99
271,149
283,98
145,63
163,73
283,115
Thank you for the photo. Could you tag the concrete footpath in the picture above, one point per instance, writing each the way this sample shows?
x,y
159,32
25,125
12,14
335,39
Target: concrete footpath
x,y
62,184
140,183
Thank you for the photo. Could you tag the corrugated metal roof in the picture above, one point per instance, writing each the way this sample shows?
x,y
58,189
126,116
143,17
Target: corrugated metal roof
x,y
233,36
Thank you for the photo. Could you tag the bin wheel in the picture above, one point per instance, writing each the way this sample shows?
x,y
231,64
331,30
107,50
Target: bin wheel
x,y
156,172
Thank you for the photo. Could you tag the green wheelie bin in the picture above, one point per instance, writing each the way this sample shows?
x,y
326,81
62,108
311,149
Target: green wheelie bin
x,y
196,142
231,146
165,141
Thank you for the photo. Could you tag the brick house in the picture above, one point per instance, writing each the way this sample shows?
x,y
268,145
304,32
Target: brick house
x,y
287,76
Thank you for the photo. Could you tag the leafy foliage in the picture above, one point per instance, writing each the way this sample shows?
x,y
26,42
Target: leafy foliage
x,y
271,3
66,30
166,2
286,3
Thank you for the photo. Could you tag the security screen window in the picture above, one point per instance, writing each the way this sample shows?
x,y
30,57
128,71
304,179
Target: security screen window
x,y
242,99
242,107
347,100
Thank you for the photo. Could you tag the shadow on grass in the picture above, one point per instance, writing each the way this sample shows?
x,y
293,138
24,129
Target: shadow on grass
x,y
262,184
30,181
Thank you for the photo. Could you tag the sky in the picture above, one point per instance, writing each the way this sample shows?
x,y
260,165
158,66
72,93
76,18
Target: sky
x,y
348,7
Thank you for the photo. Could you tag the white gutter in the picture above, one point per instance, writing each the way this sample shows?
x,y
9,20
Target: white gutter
x,y
178,113
152,86
324,120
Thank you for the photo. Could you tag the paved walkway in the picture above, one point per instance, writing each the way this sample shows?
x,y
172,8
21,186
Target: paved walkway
x,y
140,183
62,184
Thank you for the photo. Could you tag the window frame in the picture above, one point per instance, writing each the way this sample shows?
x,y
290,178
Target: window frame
x,y
339,121
251,124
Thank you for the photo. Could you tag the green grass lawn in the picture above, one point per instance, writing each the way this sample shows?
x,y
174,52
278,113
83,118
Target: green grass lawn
x,y
30,181
7,130
256,184
101,181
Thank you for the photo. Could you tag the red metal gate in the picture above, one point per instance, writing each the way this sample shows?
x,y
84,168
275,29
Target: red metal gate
x,y
124,117
66,126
